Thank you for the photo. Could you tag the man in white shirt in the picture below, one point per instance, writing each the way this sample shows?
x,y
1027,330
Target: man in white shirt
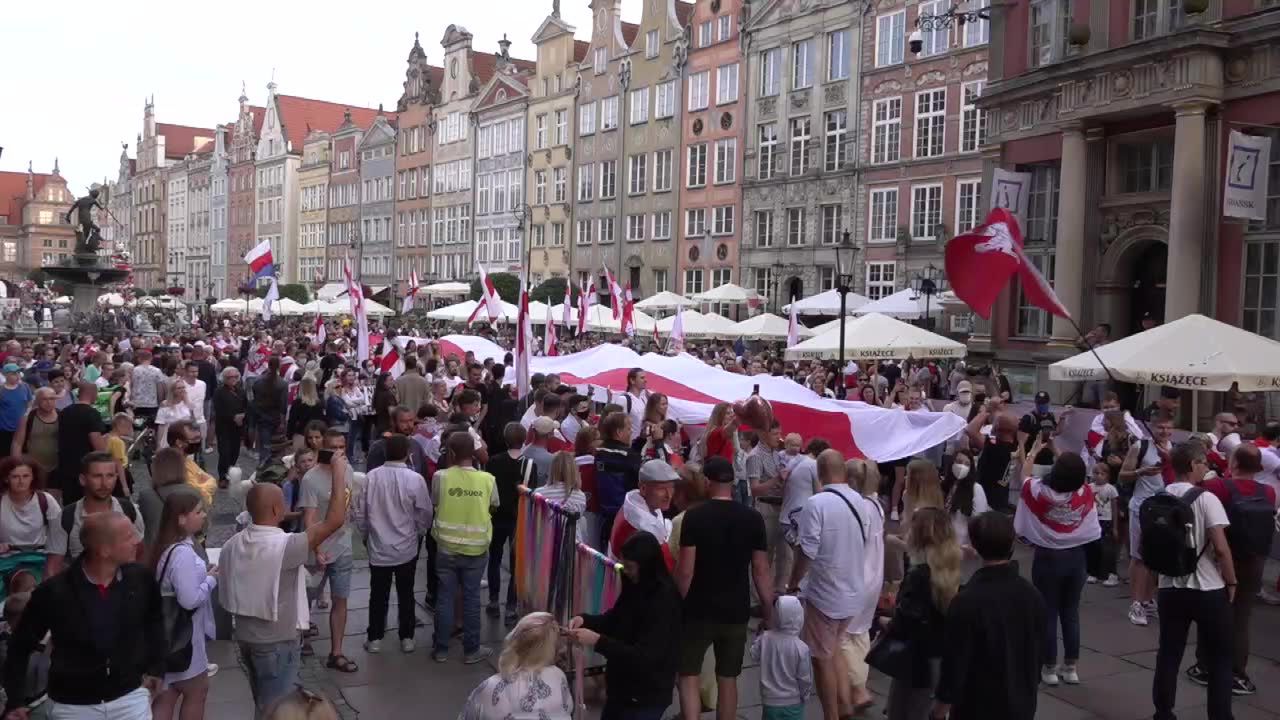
x,y
391,514
634,400
831,575
798,485
196,394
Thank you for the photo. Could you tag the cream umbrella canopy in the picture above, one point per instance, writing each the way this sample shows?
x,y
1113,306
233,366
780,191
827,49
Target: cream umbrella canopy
x,y
600,319
113,299
445,289
692,322
906,303
727,293
718,325
827,303
877,337
458,312
766,325
665,300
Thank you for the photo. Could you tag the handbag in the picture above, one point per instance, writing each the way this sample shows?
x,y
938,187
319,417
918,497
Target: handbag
x,y
178,628
891,655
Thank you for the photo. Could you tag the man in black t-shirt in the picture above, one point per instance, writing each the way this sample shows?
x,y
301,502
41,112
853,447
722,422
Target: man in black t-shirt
x,y
722,549
80,432
1040,422
509,472
997,450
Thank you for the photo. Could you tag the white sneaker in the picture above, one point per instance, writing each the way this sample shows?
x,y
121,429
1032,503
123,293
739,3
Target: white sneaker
x,y
1137,614
211,669
1268,597
1091,580
373,647
1153,610
484,582
1111,581
1069,675
1049,676
894,516
406,645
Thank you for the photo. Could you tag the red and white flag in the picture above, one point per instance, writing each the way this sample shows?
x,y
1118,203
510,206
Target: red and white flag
x,y
628,313
320,332
793,328
1051,520
411,293
586,298
980,263
391,360
615,294
524,340
489,299
549,348
676,342
568,307
356,295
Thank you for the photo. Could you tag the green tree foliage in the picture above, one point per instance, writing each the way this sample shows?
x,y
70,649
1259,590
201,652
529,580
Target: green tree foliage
x,y
507,285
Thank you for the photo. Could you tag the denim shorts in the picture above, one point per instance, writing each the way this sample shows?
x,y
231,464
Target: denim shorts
x,y
338,573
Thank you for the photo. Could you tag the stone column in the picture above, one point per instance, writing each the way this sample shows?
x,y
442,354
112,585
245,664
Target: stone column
x,y
1069,246
1186,212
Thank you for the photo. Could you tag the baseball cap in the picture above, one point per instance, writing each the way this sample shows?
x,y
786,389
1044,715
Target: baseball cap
x,y
964,386
657,471
544,425
12,368
1042,398
718,470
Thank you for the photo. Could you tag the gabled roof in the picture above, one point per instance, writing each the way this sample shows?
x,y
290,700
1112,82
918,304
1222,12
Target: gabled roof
x,y
13,191
437,76
580,48
629,32
300,115
484,65
179,140
684,11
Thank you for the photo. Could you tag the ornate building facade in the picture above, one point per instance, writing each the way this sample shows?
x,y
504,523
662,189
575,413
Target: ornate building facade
x,y
313,207
416,128
218,184
501,212
377,196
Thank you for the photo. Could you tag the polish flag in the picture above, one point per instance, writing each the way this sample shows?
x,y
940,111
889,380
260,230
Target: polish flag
x,y
356,295
260,261
615,294
676,342
793,328
524,340
391,360
549,348
411,293
320,332
628,313
489,299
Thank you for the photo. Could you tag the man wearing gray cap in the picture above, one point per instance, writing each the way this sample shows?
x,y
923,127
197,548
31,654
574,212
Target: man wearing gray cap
x,y
643,507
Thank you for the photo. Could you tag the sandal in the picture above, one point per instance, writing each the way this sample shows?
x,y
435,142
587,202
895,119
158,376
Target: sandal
x,y
341,663
322,604
311,631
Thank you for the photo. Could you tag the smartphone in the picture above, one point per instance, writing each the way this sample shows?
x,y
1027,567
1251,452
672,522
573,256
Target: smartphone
x,y
324,457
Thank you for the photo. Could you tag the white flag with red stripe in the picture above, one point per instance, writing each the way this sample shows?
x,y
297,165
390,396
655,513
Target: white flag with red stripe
x,y
320,332
490,301
615,294
549,340
568,308
793,328
628,314
586,298
411,293
391,360
356,295
676,343
524,340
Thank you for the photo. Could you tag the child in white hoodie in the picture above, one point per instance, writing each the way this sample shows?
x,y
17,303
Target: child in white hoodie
x,y
786,676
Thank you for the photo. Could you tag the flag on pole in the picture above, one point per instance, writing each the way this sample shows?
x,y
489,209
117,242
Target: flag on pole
x,y
524,340
489,299
259,259
391,360
568,312
356,294
628,314
272,296
615,294
549,348
981,262
319,332
586,298
411,293
676,343
793,328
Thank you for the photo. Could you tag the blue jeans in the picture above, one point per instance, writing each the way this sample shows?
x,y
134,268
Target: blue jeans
x,y
265,430
273,670
1059,575
459,571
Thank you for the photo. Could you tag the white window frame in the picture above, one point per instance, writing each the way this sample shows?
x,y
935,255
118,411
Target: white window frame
x,y
637,174
583,234
764,228
540,187
770,72
693,281
973,121
587,119
651,44
967,217
609,113
635,227
662,225
724,28
891,38
1029,320
938,40
560,182
699,90
930,123
977,33
922,229
606,232
1048,25
802,54
767,151
881,279
697,166
695,222
835,146
704,33
726,161
722,220
797,232
586,182
727,84
882,213
798,143
665,100
608,179
839,54
831,218
600,60
639,103
663,170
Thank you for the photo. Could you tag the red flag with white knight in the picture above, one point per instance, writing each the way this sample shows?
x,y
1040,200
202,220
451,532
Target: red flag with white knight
x,y
980,262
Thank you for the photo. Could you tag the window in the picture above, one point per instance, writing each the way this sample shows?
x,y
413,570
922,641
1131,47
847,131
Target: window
x,y
937,39
539,236
560,180
839,55
764,228
1042,206
413,184
704,33
826,278
600,60
891,36
973,122
695,222
665,100
884,215
562,127
1261,284
662,225
770,72
662,170
1050,21
637,174
585,174
609,113
1032,321
584,233
880,279
767,164
557,235
693,281
837,139
800,133
795,227
724,28
931,122
587,119
722,220
832,224
726,161
608,179
635,228
499,193
801,64
540,131
967,192
1146,167
1155,17
1273,187
482,195
659,281
977,33
697,166
727,84
605,231
926,212
640,106
763,281
699,84
651,44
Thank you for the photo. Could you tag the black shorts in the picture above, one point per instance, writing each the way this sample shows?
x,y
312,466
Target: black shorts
x,y
728,639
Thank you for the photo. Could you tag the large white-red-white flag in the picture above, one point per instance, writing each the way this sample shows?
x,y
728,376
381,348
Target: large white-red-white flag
x,y
524,340
981,262
411,293
356,295
628,313
793,328
568,308
675,343
490,301
391,360
615,294
549,339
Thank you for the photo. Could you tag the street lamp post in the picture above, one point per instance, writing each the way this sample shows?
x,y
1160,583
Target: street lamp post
x,y
926,284
844,285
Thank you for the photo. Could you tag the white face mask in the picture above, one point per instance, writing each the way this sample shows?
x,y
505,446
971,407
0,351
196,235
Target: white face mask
x,y
960,471
965,398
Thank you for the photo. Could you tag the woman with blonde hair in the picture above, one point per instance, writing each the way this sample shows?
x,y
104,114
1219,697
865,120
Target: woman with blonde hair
x,y
174,409
919,619
923,489
564,486
302,704
528,684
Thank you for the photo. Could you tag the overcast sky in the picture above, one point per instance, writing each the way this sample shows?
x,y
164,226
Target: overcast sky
x,y
79,72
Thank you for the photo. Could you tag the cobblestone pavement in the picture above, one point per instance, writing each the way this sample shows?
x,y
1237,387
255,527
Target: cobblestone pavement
x,y
1116,668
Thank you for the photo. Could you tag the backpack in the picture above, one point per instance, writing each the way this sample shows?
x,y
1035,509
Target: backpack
x,y
1252,519
69,513
1168,542
611,480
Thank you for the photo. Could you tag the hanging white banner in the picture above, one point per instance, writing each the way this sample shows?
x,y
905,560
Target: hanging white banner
x,y
1247,161
1011,191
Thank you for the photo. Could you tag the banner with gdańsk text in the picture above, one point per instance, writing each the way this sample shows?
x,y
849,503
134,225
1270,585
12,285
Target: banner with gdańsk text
x,y
1248,159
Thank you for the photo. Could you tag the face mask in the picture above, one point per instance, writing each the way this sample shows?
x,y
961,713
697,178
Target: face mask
x,y
960,471
583,414
1042,409
965,398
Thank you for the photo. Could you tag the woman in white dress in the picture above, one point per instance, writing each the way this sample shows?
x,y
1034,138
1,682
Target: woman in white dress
x,y
186,577
528,685
174,409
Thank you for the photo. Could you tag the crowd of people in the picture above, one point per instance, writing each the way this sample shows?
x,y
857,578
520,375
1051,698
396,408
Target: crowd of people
x,y
738,539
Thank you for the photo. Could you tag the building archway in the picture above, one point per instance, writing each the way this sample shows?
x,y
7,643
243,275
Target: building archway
x,y
1131,279
795,289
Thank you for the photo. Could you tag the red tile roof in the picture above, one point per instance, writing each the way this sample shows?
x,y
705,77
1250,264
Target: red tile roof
x,y
13,191
484,65
181,139
684,10
580,48
298,115
629,32
436,74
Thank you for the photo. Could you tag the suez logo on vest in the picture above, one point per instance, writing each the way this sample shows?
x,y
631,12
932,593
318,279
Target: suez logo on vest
x,y
1182,380
461,492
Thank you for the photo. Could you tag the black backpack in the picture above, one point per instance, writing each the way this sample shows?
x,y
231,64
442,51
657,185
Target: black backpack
x,y
69,513
1252,519
1168,542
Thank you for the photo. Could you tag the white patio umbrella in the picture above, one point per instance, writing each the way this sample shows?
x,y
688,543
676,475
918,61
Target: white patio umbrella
x,y
112,299
905,303
557,313
727,293
234,305
1191,353
827,303
765,326
719,326
665,300
458,312
445,289
691,321
373,308
877,337
600,319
